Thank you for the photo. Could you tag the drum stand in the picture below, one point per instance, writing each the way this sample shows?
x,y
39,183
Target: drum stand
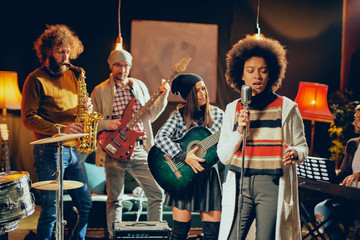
x,y
60,222
59,184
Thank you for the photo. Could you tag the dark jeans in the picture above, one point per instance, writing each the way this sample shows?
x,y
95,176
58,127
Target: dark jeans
x,y
333,212
45,163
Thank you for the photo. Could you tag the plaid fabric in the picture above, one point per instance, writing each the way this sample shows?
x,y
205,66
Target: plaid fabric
x,y
263,153
175,128
122,97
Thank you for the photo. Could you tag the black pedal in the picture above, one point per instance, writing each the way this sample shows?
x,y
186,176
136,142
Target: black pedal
x,y
139,230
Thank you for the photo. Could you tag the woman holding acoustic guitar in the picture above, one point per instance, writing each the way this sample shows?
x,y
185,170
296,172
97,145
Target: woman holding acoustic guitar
x,y
203,193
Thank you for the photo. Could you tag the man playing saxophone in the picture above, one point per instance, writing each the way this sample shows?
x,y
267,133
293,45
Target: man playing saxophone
x,y
50,98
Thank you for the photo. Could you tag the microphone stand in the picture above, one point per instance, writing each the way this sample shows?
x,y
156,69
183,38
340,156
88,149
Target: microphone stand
x,y
242,175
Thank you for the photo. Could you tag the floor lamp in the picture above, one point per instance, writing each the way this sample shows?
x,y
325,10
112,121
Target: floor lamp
x,y
312,102
10,98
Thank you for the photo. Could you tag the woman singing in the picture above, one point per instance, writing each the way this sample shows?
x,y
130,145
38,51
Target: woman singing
x,y
275,141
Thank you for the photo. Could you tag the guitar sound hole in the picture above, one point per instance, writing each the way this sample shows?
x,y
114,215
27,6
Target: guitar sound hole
x,y
200,152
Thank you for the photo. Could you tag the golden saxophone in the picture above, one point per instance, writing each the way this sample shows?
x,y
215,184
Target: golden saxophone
x,y
90,119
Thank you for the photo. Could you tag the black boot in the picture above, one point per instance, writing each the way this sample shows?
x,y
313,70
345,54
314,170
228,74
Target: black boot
x,y
211,230
180,230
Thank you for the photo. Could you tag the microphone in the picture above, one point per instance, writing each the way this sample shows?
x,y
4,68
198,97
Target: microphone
x,y
246,92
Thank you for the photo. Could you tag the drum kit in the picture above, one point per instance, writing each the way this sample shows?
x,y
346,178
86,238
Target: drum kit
x,y
16,200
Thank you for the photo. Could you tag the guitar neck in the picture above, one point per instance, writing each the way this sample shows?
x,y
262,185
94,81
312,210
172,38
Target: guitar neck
x,y
211,140
148,104
6,155
5,143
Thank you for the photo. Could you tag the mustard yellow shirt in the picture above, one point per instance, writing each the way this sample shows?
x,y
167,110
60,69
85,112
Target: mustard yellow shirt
x,y
48,100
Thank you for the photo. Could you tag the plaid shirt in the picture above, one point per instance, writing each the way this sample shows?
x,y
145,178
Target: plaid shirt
x,y
122,97
175,128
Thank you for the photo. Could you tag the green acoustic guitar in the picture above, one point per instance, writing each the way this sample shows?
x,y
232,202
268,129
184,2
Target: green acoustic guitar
x,y
176,176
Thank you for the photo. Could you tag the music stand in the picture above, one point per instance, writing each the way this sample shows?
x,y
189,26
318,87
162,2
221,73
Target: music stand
x,y
319,169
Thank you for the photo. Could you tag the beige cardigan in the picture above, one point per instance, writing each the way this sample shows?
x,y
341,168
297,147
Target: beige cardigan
x,y
288,216
103,100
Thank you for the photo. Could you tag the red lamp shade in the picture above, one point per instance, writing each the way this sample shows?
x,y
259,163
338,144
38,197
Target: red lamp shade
x,y
312,102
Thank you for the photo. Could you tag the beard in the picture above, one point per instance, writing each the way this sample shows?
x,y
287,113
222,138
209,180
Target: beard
x,y
121,77
357,130
56,68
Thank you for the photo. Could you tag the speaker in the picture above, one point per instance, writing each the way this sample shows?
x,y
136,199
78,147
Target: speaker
x,y
139,230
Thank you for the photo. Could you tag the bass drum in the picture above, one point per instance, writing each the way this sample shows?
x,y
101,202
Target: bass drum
x,y
16,200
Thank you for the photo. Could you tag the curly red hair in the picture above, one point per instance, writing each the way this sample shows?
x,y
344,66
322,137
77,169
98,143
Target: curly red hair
x,y
55,36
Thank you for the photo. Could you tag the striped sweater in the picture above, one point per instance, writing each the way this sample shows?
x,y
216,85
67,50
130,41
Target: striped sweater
x,y
263,150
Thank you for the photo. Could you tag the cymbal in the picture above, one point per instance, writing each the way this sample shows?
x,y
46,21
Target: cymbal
x,y
60,137
54,185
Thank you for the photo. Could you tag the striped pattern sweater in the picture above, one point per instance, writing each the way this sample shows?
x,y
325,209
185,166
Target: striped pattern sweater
x,y
263,151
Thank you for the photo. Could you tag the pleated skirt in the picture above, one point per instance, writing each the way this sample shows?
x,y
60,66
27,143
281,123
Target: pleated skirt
x,y
202,194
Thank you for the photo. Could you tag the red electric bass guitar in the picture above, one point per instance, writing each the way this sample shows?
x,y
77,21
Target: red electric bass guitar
x,y
119,144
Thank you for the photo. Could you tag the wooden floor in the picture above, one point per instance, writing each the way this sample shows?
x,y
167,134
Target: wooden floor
x,y
350,235
26,225
27,228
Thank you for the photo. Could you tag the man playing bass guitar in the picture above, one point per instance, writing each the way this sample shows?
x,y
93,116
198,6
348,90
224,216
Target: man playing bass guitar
x,y
111,98
204,192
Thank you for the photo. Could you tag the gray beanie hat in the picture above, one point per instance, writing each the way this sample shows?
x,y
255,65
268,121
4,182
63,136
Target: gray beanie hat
x,y
119,56
183,84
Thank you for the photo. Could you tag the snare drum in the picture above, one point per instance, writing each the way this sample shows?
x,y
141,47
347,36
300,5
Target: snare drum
x,y
16,200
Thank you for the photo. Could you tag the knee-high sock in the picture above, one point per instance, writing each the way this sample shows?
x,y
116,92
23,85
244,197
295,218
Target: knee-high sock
x,y
210,230
180,230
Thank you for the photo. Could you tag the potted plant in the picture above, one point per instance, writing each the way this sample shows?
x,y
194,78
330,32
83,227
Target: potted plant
x,y
342,105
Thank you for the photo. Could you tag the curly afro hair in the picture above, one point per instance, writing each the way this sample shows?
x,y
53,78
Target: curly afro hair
x,y
55,36
269,49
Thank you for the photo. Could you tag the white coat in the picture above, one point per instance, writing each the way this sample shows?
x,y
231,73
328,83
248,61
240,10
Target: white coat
x,y
288,215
